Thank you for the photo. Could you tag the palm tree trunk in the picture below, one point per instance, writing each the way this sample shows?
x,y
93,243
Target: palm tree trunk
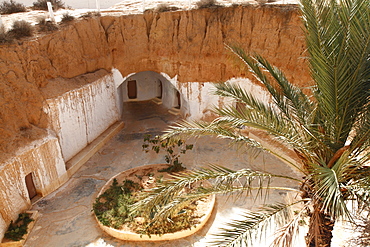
x,y
320,229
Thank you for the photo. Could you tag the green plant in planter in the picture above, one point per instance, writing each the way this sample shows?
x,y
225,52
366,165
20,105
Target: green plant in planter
x,y
113,209
173,150
18,229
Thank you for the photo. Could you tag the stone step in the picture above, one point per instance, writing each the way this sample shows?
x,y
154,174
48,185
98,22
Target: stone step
x,y
174,111
157,101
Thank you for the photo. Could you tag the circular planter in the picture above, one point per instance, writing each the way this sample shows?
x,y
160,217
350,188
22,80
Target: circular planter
x,y
207,208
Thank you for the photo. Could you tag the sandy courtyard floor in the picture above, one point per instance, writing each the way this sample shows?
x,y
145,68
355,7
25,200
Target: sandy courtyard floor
x,y
65,215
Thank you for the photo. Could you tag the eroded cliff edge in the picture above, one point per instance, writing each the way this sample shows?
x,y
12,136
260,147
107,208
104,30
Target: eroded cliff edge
x,y
189,44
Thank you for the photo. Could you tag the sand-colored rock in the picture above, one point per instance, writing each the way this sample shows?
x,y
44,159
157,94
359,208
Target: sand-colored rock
x,y
189,44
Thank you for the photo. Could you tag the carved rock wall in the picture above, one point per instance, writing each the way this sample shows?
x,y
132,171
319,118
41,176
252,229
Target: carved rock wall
x,y
62,79
189,44
26,67
46,164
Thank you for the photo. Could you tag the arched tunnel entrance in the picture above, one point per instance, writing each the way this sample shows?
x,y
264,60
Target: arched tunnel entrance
x,y
153,119
148,85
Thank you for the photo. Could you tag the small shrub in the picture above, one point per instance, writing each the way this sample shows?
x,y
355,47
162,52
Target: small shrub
x,y
5,37
45,25
42,4
67,18
265,1
201,4
10,7
164,7
90,14
112,207
21,29
173,150
247,3
18,229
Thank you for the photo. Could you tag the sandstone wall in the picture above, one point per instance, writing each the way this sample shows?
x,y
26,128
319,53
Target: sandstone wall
x,y
190,44
186,44
27,66
76,118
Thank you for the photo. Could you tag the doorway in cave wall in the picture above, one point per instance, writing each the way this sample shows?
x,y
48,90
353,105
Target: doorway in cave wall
x,y
132,89
159,89
178,100
30,186
148,85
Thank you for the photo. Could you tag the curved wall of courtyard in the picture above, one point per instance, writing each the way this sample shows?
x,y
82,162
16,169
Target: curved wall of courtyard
x,y
74,77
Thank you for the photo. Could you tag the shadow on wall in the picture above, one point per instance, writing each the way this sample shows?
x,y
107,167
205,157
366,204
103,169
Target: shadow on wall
x,y
148,85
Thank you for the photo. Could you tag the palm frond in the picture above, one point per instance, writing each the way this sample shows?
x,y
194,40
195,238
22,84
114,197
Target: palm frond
x,y
298,102
291,101
357,186
169,195
292,117
288,233
256,113
185,129
360,136
253,226
328,188
338,40
236,190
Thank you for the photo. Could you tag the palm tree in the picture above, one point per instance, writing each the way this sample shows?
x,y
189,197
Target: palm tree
x,y
327,128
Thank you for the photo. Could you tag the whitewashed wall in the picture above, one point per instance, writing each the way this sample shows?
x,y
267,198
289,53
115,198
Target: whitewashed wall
x,y
148,87
44,160
199,98
81,115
